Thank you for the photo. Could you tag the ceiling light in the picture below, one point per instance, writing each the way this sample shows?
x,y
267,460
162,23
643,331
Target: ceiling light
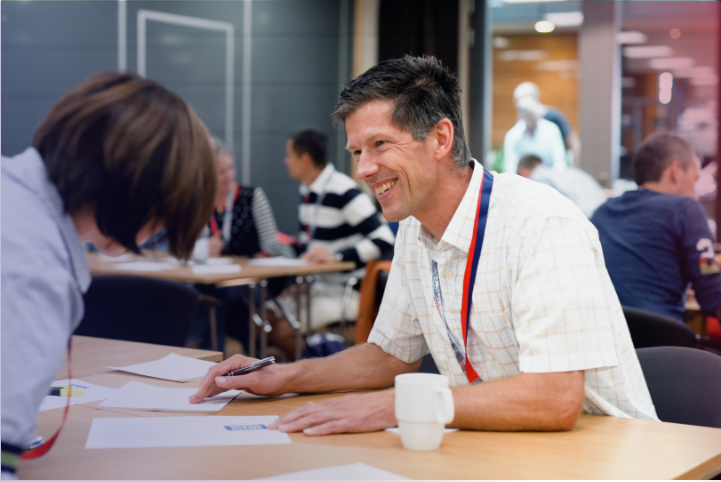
x,y
675,33
647,51
665,87
671,63
544,26
565,19
532,1
695,72
704,80
632,37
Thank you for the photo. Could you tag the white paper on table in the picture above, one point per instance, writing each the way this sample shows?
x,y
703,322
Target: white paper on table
x,y
173,367
93,393
278,262
398,431
141,396
116,259
144,266
134,432
342,472
216,269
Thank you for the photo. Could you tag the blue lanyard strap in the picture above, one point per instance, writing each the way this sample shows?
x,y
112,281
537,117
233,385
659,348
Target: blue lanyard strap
x,y
474,256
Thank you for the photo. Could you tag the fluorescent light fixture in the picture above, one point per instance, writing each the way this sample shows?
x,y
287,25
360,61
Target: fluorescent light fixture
x,y
671,63
544,26
665,87
532,1
631,37
704,80
647,51
565,19
703,71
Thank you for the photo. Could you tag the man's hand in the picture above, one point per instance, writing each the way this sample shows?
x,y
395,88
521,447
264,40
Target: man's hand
x,y
318,255
215,246
350,414
268,380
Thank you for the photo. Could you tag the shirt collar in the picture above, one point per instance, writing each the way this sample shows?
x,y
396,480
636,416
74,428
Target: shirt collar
x,y
50,196
321,182
459,232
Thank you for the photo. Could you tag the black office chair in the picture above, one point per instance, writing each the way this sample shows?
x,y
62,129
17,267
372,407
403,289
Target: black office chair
x,y
650,329
685,384
138,308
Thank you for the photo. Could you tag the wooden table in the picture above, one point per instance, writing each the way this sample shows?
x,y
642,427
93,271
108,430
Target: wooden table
x,y
598,447
255,277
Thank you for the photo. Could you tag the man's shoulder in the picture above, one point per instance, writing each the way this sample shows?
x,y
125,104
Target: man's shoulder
x,y
342,183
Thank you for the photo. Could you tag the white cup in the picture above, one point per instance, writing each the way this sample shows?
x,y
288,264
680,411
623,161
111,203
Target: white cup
x,y
201,250
424,405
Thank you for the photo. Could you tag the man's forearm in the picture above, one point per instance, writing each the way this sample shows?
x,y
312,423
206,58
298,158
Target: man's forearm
x,y
361,367
528,401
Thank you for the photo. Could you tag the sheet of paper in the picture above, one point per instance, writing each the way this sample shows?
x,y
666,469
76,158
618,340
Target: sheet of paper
x,y
173,367
141,396
398,431
342,472
93,393
144,266
216,269
134,432
278,262
116,259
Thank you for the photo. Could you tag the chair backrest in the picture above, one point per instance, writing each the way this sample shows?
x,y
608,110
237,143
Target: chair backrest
x,y
652,329
371,293
685,384
138,308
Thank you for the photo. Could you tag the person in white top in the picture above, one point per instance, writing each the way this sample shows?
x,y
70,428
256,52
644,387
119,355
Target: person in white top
x,y
574,183
535,135
546,335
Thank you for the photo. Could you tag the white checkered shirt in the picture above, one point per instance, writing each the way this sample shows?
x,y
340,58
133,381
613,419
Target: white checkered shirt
x,y
542,302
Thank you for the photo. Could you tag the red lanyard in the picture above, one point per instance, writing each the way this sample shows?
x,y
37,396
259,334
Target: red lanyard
x,y
474,256
43,448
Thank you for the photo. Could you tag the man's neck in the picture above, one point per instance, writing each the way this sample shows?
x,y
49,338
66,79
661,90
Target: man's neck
x,y
444,201
312,174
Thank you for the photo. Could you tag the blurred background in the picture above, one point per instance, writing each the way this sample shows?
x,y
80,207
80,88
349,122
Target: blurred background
x,y
258,70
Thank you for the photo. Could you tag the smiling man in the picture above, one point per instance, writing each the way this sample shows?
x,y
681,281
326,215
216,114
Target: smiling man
x,y
501,279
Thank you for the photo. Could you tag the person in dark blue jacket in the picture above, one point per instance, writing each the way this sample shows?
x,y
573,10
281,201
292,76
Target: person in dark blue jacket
x,y
656,240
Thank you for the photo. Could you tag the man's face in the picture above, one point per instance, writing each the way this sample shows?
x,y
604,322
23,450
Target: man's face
x,y
688,178
399,169
295,163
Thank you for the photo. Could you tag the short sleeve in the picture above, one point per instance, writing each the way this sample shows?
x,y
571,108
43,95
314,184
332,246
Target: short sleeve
x,y
397,330
700,262
562,302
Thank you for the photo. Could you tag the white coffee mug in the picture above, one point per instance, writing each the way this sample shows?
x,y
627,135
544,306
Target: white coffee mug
x,y
424,405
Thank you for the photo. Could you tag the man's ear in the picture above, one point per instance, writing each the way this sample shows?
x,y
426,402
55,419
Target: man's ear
x,y
675,170
443,134
307,160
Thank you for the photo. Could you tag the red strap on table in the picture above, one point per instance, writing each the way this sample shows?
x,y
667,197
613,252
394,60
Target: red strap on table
x,y
43,448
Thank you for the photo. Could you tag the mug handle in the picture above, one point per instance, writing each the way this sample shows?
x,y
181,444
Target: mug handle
x,y
445,411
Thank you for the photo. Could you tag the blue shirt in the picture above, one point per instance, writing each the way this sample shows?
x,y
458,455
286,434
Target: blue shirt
x,y
655,245
44,273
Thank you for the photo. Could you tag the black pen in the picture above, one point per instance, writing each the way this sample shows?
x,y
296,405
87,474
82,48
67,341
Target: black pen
x,y
252,367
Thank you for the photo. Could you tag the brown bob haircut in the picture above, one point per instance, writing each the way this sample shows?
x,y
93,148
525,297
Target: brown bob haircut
x,y
134,153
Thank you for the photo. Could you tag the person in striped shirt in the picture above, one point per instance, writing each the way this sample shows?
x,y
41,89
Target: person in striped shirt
x,y
338,222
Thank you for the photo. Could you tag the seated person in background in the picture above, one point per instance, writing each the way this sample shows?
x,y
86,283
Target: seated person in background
x,y
338,222
574,183
546,337
242,224
533,134
116,159
570,138
656,240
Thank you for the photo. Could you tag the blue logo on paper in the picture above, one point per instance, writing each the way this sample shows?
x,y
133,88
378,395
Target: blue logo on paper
x,y
234,428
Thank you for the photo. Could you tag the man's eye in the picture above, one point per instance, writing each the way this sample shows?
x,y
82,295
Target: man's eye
x,y
380,143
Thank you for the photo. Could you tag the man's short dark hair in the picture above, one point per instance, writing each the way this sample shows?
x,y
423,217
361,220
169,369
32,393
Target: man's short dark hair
x,y
422,91
529,161
312,142
657,153
133,153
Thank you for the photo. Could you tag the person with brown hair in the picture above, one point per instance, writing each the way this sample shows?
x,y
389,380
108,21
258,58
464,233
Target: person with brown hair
x,y
117,159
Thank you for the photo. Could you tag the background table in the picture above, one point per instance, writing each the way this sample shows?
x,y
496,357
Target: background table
x,y
598,447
